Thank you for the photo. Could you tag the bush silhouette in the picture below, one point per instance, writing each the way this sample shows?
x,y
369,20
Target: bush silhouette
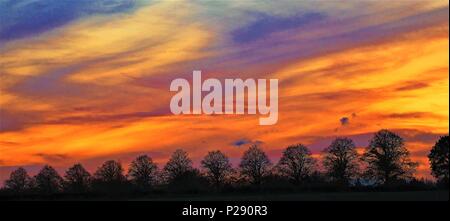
x,y
189,181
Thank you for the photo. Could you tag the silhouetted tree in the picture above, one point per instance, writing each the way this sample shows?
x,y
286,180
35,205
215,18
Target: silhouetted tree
x,y
439,160
254,164
217,167
341,160
77,179
110,172
178,164
388,159
19,181
110,180
48,180
142,172
297,164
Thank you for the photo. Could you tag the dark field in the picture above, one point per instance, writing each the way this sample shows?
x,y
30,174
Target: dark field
x,y
336,196
431,195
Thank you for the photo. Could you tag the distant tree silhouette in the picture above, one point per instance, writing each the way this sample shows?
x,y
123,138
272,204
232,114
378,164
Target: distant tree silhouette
x,y
19,181
254,164
142,172
217,167
77,179
439,160
110,172
387,158
341,160
178,164
110,180
387,162
48,180
296,163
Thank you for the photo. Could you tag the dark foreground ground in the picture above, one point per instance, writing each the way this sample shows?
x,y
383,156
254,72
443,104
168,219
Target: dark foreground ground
x,y
337,196
429,195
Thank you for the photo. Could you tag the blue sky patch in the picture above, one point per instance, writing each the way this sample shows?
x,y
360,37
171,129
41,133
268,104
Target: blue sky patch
x,y
267,24
22,18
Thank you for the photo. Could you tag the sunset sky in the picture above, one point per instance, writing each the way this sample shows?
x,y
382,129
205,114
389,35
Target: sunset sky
x,y
87,81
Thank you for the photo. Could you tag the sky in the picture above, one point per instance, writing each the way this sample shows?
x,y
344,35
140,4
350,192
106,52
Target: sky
x,y
88,81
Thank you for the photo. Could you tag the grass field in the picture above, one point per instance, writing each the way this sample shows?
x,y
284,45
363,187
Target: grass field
x,y
336,196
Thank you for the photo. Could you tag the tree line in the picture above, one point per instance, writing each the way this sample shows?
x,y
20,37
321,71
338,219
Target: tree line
x,y
385,162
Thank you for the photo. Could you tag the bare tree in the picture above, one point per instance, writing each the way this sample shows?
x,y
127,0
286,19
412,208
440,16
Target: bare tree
x,y
18,181
48,180
178,164
439,160
388,159
77,179
110,172
217,167
341,160
296,163
255,164
142,171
